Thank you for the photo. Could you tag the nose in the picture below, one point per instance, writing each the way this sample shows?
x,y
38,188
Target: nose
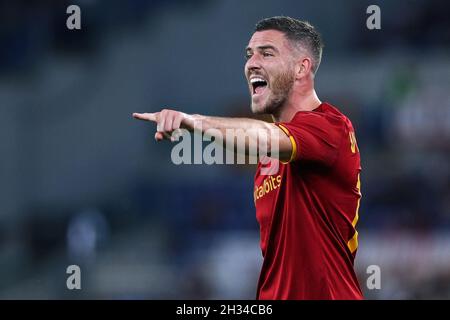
x,y
253,63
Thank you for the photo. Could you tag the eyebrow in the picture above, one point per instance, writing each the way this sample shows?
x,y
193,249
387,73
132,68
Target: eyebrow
x,y
260,48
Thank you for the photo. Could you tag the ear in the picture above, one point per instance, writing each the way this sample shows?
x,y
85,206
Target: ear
x,y
303,67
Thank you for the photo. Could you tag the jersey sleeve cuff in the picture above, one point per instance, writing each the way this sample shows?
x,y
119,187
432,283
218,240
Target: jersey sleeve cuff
x,y
293,143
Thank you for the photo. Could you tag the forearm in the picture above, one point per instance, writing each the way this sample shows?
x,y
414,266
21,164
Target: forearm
x,y
205,123
243,135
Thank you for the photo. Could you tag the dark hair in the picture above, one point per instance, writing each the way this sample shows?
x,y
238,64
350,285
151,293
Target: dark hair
x,y
299,32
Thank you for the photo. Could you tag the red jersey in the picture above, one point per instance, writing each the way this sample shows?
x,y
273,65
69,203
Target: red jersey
x,y
308,210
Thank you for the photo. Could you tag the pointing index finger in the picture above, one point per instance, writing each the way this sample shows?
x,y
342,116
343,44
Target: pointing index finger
x,y
145,116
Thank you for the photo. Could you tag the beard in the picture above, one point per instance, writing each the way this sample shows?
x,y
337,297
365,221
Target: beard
x,y
280,90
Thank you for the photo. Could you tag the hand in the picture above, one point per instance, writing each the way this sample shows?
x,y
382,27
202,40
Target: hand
x,y
166,121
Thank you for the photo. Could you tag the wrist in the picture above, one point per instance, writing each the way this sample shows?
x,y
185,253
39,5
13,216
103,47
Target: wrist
x,y
193,121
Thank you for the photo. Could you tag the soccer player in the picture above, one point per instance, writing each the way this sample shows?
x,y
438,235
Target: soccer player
x,y
308,209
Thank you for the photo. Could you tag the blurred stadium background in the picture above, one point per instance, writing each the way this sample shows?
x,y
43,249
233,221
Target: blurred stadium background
x,y
83,183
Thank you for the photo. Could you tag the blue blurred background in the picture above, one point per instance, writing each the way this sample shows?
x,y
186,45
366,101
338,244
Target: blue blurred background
x,y
83,183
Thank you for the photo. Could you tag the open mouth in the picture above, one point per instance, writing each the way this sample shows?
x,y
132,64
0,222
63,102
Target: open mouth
x,y
258,85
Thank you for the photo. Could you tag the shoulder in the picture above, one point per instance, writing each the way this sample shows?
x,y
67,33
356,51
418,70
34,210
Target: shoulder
x,y
326,115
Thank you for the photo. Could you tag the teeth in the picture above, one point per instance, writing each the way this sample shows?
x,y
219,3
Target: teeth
x,y
253,80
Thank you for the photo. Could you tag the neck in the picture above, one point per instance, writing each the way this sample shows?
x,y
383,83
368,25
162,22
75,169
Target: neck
x,y
300,100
